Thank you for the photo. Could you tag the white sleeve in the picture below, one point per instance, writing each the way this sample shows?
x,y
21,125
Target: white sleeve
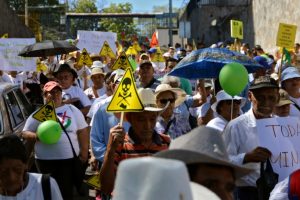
x,y
78,117
55,192
85,101
230,136
31,124
280,191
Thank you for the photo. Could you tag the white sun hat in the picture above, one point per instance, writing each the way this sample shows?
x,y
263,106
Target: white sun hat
x,y
223,96
151,178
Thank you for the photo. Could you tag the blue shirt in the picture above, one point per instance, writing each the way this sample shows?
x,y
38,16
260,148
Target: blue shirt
x,y
102,123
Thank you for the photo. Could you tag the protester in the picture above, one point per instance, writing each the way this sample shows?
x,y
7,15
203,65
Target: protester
x,y
203,151
58,159
162,181
226,108
241,134
72,94
146,76
282,109
141,140
97,89
203,113
103,121
290,82
288,189
167,122
15,181
183,110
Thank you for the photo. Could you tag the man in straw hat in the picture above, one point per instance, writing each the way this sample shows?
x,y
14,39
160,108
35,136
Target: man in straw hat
x,y
282,109
98,89
203,151
241,134
141,140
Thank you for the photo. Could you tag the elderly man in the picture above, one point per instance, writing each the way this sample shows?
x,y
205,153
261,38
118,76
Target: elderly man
x,y
146,75
240,134
290,82
203,151
141,140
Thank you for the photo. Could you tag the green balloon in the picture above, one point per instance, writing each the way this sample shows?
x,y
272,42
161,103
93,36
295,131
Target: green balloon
x,y
233,78
49,132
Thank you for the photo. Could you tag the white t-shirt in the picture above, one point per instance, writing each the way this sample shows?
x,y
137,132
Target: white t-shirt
x,y
34,189
73,120
100,92
76,92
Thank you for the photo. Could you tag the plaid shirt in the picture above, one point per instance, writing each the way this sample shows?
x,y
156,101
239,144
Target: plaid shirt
x,y
131,148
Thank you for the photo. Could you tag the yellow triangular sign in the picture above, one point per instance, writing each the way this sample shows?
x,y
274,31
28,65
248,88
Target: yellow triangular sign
x,y
46,112
158,56
126,98
85,58
107,51
131,51
94,181
41,67
136,46
121,63
4,35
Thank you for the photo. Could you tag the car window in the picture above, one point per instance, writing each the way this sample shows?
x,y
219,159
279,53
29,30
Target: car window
x,y
23,102
16,116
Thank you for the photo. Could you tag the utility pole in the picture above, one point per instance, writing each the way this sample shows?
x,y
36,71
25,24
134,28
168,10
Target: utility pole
x,y
170,23
26,12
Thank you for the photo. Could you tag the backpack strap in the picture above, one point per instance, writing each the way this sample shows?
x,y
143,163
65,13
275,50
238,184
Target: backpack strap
x,y
46,186
294,186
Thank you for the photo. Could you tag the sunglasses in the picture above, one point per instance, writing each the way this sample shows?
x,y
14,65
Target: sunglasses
x,y
228,102
165,101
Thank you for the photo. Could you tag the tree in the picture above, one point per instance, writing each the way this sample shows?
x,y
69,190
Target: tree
x,y
83,6
124,27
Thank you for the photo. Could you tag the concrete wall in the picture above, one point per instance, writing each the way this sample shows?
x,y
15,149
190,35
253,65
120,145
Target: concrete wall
x,y
260,17
11,24
267,14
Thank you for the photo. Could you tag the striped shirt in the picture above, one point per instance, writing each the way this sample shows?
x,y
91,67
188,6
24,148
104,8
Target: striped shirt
x,y
133,149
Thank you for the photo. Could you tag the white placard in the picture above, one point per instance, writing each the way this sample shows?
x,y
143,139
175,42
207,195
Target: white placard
x,y
9,59
93,40
282,137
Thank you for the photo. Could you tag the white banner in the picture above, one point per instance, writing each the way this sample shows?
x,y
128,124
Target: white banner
x,y
282,137
9,59
93,41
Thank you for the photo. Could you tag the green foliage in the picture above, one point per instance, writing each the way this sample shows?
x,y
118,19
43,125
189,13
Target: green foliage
x,y
83,6
122,26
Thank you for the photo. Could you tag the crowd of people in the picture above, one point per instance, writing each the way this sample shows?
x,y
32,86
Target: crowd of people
x,y
212,135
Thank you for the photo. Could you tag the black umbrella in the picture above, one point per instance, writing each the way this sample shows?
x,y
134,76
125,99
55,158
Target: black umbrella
x,y
48,48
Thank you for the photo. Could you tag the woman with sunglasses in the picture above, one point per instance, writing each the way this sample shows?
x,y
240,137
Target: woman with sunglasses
x,y
225,109
167,123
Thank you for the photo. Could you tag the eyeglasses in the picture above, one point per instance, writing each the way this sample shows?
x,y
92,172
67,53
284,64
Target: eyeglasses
x,y
165,101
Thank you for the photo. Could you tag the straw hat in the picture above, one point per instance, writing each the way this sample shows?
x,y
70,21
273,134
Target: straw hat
x,y
162,176
97,70
179,93
149,101
284,98
97,64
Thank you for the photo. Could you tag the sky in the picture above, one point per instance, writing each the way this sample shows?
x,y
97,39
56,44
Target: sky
x,y
146,5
